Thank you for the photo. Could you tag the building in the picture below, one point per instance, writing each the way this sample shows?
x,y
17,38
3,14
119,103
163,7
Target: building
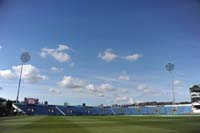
x,y
195,98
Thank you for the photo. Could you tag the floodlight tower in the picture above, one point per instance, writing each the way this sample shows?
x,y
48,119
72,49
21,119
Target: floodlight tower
x,y
25,57
170,67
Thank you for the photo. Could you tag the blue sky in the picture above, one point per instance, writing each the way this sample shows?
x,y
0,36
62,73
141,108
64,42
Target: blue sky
x,y
92,51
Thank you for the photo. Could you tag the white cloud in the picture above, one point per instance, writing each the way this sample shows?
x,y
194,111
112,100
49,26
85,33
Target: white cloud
x,y
7,74
177,82
145,89
0,47
133,57
130,101
73,83
105,88
58,54
107,55
80,86
1,88
124,76
30,73
91,88
62,47
101,90
141,87
124,100
56,69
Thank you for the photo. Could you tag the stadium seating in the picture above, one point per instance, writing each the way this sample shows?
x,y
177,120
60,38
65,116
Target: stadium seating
x,y
40,109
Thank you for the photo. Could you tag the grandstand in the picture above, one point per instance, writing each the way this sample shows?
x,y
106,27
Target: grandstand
x,y
35,108
32,106
39,109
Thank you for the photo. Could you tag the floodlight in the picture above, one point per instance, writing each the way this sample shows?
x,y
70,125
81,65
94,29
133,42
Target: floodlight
x,y
25,57
169,67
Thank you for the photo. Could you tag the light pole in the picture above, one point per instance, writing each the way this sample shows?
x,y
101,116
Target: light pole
x,y
25,57
170,67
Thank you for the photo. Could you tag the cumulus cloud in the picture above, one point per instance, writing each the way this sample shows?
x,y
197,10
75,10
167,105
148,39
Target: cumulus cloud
x,y
133,57
56,69
124,76
58,54
177,82
81,86
124,100
71,83
101,90
105,87
91,88
107,55
144,89
30,73
62,47
7,74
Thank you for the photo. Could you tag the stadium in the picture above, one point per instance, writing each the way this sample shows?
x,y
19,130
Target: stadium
x,y
32,116
99,66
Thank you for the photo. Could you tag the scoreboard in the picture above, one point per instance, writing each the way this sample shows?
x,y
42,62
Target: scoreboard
x,y
31,101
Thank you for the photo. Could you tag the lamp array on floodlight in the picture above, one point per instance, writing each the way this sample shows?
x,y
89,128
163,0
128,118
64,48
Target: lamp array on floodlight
x,y
25,57
169,67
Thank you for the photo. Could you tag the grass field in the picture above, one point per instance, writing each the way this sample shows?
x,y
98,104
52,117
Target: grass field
x,y
100,124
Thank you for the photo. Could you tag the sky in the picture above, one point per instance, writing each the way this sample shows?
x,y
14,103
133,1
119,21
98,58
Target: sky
x,y
99,51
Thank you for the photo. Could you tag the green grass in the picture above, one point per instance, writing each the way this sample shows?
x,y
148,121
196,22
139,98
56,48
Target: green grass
x,y
100,124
